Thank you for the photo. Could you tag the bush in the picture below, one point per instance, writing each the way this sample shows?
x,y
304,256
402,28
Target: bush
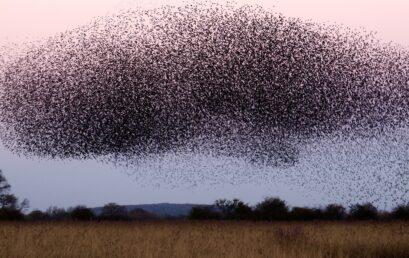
x,y
234,209
401,212
334,212
243,211
37,215
226,207
364,211
272,209
82,213
113,211
298,213
203,213
58,214
11,214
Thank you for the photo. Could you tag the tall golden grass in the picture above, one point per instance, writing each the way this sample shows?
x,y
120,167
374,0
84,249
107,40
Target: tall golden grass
x,y
204,239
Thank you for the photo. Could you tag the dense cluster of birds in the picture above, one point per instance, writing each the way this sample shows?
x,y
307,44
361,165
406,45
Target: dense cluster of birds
x,y
237,82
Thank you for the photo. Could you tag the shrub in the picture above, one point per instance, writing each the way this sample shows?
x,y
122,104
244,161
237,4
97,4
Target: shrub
x,y
11,214
334,212
113,211
55,213
298,213
82,213
364,211
272,209
243,211
234,209
203,213
37,215
401,212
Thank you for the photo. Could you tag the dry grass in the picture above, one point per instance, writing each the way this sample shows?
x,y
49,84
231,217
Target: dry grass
x,y
204,239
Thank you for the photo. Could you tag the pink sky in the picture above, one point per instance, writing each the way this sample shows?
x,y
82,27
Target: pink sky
x,y
25,19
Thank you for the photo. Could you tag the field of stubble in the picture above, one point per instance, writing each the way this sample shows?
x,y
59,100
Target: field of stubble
x,y
204,239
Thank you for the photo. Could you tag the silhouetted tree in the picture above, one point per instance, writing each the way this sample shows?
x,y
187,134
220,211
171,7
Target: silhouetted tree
x,y
10,208
303,213
81,213
234,209
272,209
364,211
335,212
243,211
226,207
385,215
8,201
37,215
204,213
55,213
11,214
401,212
4,186
113,211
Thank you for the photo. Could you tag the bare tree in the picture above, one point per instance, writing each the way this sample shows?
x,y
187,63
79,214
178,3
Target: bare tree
x,y
10,208
4,186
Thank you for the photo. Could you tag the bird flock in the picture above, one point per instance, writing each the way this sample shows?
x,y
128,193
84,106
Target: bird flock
x,y
237,82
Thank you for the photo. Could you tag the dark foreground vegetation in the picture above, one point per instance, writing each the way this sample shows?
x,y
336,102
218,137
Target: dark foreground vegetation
x,y
270,209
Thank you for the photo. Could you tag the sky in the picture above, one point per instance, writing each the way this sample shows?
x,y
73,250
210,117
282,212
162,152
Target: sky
x,y
22,19
92,183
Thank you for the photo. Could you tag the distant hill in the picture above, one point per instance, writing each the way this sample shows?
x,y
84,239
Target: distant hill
x,y
160,209
140,214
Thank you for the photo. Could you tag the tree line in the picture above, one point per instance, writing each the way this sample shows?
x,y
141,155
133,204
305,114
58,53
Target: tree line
x,y
275,209
270,209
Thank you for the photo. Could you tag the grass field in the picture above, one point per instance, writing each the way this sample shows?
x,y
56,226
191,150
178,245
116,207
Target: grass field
x,y
204,239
